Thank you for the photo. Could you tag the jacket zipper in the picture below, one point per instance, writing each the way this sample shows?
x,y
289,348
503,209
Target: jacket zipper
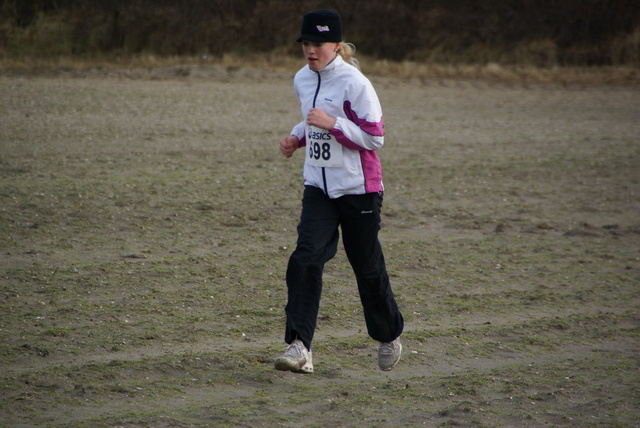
x,y
324,174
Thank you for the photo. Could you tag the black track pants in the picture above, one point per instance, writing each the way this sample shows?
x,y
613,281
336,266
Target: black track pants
x,y
359,219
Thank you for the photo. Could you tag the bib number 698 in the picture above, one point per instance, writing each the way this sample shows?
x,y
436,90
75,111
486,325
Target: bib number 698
x,y
320,151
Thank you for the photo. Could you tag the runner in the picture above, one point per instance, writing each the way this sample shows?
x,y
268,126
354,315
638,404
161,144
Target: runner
x,y
341,130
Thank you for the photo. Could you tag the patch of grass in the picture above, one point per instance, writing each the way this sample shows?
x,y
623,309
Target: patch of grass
x,y
145,261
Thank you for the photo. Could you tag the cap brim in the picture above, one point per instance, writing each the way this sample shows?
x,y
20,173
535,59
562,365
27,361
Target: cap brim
x,y
313,38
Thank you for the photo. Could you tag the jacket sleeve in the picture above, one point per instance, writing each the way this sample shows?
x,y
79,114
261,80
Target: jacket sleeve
x,y
299,131
362,127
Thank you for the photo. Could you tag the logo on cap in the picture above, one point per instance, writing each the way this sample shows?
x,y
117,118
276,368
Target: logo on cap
x,y
323,28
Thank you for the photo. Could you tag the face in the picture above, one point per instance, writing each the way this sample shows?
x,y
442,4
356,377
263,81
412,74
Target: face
x,y
318,55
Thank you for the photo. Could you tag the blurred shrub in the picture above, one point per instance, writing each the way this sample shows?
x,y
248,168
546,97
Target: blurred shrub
x,y
533,32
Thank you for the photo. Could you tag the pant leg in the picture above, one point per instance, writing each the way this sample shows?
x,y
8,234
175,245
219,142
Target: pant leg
x,y
317,243
360,221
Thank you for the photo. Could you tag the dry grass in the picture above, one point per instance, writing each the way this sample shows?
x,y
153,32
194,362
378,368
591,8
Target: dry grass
x,y
279,62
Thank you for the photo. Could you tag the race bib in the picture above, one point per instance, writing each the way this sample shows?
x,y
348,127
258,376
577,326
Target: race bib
x,y
322,148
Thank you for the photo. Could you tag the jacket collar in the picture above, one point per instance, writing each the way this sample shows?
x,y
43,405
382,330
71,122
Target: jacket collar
x,y
337,62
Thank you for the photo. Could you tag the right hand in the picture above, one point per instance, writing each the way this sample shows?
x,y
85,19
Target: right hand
x,y
288,145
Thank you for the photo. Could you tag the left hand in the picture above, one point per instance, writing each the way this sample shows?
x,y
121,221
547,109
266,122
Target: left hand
x,y
319,118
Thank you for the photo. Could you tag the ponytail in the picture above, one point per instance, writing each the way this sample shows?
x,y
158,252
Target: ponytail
x,y
347,52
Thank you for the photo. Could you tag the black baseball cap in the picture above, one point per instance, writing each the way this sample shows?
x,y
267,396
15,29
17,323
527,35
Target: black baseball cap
x,y
321,26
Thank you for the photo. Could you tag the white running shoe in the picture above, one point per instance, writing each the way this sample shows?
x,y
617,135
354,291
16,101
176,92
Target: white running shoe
x,y
389,354
296,358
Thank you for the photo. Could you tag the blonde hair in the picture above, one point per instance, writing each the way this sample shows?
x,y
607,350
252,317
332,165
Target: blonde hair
x,y
347,52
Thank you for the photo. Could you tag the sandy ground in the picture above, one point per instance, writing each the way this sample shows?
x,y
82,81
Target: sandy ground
x,y
146,218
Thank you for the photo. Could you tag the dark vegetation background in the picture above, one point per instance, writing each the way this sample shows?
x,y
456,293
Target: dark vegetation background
x,y
531,32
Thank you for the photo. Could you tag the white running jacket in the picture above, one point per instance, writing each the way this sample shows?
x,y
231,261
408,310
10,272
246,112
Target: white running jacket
x,y
342,161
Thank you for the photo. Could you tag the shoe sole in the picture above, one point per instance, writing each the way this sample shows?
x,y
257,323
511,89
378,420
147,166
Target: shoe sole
x,y
287,365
